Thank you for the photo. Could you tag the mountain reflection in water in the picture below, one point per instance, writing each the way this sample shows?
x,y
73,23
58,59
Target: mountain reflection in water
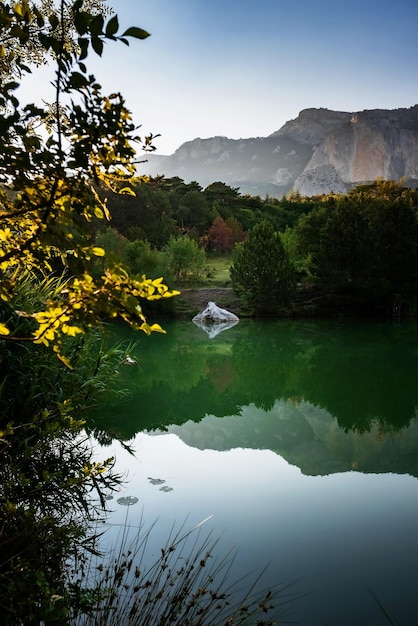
x,y
299,439
326,396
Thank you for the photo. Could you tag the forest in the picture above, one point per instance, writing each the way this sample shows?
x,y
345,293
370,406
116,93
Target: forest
x,y
351,254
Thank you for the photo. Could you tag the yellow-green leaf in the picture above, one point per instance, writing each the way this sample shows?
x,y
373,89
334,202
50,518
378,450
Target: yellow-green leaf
x,y
4,330
128,191
156,328
98,251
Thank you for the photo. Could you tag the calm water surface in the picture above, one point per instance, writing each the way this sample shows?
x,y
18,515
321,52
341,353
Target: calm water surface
x,y
300,439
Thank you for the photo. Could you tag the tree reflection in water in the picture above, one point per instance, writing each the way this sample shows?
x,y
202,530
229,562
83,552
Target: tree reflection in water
x,y
312,380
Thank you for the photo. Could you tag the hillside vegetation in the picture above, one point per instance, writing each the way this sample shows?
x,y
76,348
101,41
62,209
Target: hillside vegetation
x,y
350,254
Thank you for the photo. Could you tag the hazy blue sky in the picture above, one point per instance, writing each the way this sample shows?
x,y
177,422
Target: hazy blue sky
x,y
242,68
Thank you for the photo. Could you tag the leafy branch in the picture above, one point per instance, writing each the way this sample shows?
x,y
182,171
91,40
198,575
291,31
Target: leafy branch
x,y
51,176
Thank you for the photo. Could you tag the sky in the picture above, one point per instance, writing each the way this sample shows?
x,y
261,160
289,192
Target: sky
x,y
242,68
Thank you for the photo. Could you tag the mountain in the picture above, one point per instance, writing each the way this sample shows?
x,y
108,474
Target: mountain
x,y
318,152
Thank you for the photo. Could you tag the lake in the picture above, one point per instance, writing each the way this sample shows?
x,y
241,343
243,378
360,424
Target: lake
x,y
299,439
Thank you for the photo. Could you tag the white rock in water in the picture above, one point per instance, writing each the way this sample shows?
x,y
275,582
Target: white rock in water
x,y
214,313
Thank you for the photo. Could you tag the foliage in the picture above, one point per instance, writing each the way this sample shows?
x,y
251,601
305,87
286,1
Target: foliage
x,y
261,273
137,255
140,257
363,248
185,260
175,206
50,197
193,211
220,235
113,242
235,225
26,48
49,482
53,161
146,214
353,253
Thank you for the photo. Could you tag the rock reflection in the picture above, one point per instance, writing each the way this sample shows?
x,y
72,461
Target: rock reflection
x,y
212,329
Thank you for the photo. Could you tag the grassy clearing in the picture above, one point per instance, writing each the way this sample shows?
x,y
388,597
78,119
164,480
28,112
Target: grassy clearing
x,y
217,271
214,284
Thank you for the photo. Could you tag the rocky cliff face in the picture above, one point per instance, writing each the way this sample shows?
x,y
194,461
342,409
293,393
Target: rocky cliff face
x,y
318,152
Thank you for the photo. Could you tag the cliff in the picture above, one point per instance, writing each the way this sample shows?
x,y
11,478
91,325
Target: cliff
x,y
318,152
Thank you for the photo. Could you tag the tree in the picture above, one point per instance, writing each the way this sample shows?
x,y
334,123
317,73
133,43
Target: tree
x,y
222,193
184,258
112,241
220,235
26,48
193,210
52,162
147,213
262,274
235,225
141,258
50,180
362,248
338,240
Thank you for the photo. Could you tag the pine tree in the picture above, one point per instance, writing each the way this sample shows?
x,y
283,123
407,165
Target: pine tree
x,y
262,274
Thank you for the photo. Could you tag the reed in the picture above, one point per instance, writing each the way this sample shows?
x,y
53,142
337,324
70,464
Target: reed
x,y
188,585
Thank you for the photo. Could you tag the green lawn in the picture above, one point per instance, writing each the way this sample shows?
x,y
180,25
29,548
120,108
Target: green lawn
x,y
217,271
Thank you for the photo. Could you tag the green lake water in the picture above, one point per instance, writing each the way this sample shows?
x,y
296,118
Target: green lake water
x,y
299,438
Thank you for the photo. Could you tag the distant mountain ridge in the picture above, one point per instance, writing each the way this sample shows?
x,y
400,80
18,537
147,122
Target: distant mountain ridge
x,y
318,152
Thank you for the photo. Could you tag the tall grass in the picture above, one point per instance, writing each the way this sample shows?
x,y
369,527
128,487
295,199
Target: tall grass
x,y
188,585
391,619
